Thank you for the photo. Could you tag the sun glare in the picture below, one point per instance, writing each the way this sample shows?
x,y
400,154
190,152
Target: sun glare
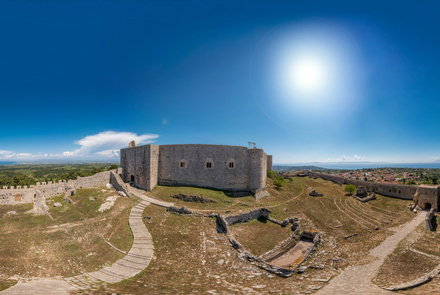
x,y
308,75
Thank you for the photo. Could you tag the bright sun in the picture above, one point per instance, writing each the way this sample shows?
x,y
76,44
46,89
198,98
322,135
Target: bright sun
x,y
308,75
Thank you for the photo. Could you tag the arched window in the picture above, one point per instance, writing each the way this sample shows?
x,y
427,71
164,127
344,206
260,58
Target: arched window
x,y
132,178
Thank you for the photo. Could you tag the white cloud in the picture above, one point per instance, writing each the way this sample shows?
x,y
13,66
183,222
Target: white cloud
x,y
108,143
4,154
12,155
434,158
109,153
345,158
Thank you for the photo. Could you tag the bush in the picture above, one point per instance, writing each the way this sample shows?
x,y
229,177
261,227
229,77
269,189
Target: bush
x,y
279,182
350,188
113,167
271,174
411,182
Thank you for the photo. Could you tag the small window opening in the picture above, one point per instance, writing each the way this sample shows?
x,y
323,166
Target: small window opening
x,y
231,164
182,164
132,178
208,165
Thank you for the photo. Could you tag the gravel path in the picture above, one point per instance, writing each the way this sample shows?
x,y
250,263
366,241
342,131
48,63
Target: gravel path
x,y
43,286
357,279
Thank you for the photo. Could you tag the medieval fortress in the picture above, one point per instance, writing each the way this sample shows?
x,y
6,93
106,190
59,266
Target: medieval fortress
x,y
228,168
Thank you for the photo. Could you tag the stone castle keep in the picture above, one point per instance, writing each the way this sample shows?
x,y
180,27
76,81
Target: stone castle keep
x,y
229,168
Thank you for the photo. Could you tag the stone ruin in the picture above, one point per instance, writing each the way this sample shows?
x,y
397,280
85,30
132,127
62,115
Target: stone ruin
x,y
363,195
430,219
193,198
132,144
313,193
283,260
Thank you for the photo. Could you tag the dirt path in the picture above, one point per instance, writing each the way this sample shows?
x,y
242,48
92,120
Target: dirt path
x,y
357,279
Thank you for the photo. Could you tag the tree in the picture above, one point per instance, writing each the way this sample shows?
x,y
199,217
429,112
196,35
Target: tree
x,y
411,182
113,167
271,174
350,188
279,182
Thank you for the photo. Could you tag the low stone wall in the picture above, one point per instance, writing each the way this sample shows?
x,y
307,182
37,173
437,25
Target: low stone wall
x,y
97,180
248,216
25,194
118,184
400,191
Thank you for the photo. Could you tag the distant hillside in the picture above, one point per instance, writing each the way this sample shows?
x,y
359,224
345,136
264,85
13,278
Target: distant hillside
x,y
296,168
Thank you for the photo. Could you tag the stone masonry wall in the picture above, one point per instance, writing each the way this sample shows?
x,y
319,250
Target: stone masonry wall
x,y
269,162
426,194
21,195
220,176
141,165
97,180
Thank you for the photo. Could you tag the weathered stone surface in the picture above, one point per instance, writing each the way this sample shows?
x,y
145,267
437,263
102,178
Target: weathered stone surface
x,y
57,204
193,198
132,144
229,168
183,210
313,193
361,192
429,219
369,197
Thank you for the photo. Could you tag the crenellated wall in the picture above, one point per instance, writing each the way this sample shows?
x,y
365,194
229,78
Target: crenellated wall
x,y
25,194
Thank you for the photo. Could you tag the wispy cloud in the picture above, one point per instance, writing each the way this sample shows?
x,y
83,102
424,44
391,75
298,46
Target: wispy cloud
x,y
10,155
102,145
434,158
345,158
107,144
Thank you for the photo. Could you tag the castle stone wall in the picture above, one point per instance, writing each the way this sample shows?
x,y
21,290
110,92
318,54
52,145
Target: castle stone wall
x,y
400,191
18,195
269,162
140,164
428,194
257,169
423,195
196,173
222,167
97,180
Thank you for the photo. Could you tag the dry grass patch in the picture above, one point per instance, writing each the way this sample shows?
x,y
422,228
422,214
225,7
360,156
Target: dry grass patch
x,y
402,266
260,236
71,244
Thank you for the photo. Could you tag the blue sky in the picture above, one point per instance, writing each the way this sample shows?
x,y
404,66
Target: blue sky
x,y
327,81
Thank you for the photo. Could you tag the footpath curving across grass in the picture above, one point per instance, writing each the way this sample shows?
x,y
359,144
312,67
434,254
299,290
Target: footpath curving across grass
x,y
36,246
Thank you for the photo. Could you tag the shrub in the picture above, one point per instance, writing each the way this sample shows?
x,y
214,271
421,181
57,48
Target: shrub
x,y
279,182
271,174
350,188
411,182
